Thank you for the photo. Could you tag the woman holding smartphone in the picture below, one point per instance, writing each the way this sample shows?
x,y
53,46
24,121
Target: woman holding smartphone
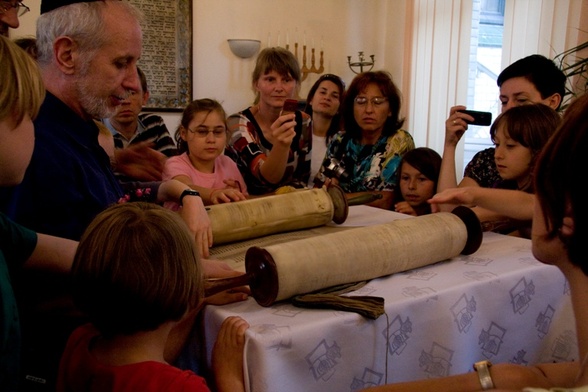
x,y
272,147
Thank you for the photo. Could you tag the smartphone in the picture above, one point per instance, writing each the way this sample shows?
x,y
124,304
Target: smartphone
x,y
290,106
480,118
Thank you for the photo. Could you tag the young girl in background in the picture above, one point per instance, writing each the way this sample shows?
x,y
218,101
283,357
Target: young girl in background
x,y
201,139
417,181
518,135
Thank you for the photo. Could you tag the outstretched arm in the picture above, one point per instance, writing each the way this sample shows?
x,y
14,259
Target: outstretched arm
x,y
52,254
506,377
510,203
192,212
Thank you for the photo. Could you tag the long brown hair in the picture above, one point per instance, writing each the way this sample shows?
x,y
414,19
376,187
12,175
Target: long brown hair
x,y
559,180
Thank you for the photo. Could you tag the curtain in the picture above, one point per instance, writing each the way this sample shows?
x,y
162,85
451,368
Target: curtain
x,y
439,49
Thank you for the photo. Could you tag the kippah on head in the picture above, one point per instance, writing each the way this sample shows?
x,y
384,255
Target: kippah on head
x,y
50,5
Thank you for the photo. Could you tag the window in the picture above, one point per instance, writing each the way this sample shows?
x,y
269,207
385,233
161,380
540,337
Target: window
x,y
484,68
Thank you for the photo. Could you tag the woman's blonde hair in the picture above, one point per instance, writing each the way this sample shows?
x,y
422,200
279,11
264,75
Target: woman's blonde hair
x,y
136,267
21,86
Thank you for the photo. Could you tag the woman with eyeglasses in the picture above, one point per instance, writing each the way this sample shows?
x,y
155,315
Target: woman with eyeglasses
x,y
201,139
10,11
364,156
271,148
322,104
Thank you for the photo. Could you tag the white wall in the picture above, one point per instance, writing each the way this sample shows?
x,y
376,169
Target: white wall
x,y
380,27
345,27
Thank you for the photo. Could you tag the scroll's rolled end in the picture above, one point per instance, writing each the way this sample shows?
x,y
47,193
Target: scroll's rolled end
x,y
340,204
260,265
473,228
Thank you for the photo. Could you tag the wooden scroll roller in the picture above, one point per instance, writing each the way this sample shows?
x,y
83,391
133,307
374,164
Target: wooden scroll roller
x,y
281,271
253,218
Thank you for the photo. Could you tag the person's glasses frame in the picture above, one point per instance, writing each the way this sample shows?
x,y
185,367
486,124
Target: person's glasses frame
x,y
375,101
203,132
21,9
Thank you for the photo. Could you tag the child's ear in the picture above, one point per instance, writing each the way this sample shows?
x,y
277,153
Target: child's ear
x,y
183,132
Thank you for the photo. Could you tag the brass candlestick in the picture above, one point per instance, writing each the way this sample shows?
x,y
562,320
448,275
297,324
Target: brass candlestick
x,y
304,69
361,63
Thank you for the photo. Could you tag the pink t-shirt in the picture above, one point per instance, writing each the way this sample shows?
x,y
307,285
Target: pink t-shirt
x,y
224,169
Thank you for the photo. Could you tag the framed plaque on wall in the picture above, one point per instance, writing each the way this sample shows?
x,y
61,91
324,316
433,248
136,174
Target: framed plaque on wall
x,y
166,58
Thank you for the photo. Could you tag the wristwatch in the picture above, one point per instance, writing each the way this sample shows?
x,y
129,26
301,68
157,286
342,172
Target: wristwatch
x,y
188,192
484,374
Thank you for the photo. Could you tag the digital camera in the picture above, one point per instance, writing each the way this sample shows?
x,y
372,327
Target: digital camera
x,y
333,168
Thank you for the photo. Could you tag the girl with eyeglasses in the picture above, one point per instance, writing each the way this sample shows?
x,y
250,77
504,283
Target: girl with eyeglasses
x,y
364,157
322,104
201,139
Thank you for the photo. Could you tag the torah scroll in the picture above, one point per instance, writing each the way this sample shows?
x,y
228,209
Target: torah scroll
x,y
263,216
278,272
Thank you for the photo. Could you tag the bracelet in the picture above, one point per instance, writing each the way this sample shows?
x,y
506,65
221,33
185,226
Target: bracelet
x,y
188,192
482,368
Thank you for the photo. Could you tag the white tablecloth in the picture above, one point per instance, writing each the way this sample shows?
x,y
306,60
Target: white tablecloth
x,y
498,304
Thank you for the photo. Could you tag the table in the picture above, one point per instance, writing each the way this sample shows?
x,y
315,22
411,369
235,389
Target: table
x,y
498,303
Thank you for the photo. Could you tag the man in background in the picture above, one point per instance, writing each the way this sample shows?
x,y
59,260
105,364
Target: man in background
x,y
141,140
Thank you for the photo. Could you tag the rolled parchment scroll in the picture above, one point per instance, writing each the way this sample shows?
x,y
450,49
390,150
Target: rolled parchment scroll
x,y
278,272
267,215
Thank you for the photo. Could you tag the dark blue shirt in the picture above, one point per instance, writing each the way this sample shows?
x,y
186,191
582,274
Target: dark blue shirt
x,y
69,180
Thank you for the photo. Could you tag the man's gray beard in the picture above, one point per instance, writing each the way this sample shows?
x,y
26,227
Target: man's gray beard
x,y
93,105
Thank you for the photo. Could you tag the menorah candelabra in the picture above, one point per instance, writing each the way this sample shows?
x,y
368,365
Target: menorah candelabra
x,y
304,68
361,63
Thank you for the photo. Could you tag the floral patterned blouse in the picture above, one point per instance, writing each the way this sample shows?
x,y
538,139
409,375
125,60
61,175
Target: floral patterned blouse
x,y
249,148
369,167
482,169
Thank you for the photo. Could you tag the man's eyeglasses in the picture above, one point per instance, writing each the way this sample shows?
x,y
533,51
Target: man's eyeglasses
x,y
21,9
376,101
202,132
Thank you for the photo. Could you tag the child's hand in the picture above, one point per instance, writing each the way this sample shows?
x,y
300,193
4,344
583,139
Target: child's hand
x,y
227,355
404,208
237,294
226,195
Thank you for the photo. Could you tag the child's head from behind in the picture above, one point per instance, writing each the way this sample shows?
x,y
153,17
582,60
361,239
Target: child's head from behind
x,y
136,267
519,134
203,129
418,175
561,211
21,95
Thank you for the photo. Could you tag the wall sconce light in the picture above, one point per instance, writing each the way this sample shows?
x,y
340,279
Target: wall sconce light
x,y
244,48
